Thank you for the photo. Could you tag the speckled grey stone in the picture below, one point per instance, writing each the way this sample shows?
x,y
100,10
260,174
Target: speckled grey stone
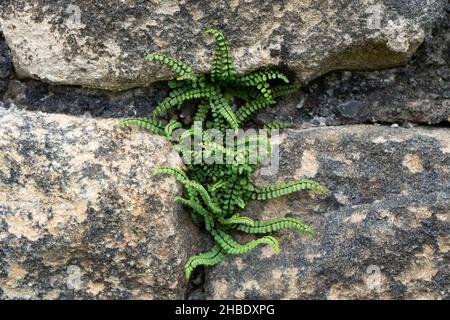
x,y
101,44
388,212
415,93
82,217
5,66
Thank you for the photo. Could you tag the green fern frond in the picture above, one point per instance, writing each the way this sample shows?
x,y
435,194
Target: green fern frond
x,y
284,90
183,70
233,247
171,127
217,193
217,185
173,84
242,92
283,189
277,124
180,95
245,112
185,135
229,195
202,172
264,88
205,196
222,107
276,224
202,112
237,219
261,76
148,124
209,258
209,220
222,65
180,175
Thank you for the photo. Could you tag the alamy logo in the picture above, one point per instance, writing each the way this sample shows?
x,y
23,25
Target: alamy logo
x,y
74,20
375,17
236,147
373,281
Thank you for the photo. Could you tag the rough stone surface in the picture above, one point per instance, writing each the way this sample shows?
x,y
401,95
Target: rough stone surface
x,y
101,44
389,208
416,93
75,221
39,96
5,66
81,217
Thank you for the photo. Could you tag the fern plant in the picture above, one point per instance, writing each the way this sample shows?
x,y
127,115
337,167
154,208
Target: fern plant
x,y
217,193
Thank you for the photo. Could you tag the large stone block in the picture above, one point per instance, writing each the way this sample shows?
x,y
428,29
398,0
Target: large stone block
x,y
383,233
101,44
81,215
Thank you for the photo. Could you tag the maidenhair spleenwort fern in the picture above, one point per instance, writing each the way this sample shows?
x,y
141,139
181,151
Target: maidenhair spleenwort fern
x,y
216,193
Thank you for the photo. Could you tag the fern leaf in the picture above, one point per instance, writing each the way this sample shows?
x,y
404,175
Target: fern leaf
x,y
217,185
202,113
284,90
245,93
222,107
180,68
180,175
178,96
261,76
148,124
222,65
209,221
185,135
265,91
229,194
250,108
218,122
173,84
171,127
279,190
276,224
202,172
205,196
209,258
276,124
232,247
237,219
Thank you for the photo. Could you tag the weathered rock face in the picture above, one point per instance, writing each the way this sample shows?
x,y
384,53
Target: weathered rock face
x,y
5,67
80,214
416,93
101,44
81,217
384,232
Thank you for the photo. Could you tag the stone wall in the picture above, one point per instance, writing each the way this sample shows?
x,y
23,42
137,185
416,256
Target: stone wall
x,y
81,217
